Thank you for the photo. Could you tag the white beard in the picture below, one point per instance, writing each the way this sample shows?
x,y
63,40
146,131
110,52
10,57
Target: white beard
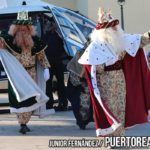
x,y
114,37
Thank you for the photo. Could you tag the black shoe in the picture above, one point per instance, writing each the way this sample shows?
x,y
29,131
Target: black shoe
x,y
82,126
65,108
27,128
61,108
23,130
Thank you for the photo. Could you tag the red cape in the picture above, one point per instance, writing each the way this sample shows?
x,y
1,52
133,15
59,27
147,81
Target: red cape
x,y
137,77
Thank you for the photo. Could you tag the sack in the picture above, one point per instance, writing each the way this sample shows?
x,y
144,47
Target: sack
x,y
73,64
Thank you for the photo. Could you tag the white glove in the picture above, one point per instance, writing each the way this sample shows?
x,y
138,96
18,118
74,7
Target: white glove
x,y
149,115
147,34
111,62
46,74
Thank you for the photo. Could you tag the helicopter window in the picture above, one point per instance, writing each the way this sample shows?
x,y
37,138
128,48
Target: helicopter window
x,y
68,28
84,25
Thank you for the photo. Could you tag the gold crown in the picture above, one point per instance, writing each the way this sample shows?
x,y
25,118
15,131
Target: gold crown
x,y
23,18
104,16
22,15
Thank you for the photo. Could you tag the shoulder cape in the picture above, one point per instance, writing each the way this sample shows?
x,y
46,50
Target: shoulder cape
x,y
99,52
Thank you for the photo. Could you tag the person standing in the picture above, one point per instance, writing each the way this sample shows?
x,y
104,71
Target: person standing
x,y
77,91
55,52
21,41
117,76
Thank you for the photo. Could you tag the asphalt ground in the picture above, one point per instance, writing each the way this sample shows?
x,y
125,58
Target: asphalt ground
x,y
59,126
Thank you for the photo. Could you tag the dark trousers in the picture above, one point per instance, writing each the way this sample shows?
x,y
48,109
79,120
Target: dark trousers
x,y
73,95
57,69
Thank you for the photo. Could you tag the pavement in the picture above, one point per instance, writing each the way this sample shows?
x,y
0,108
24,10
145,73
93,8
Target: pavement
x,y
59,126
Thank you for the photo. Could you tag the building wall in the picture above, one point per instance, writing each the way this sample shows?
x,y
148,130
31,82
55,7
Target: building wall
x,y
82,7
71,4
136,14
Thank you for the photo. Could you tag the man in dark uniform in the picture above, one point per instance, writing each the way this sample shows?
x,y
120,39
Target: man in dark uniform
x,y
55,53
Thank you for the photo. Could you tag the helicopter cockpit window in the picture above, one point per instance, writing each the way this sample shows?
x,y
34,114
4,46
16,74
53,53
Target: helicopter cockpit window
x,y
68,28
84,25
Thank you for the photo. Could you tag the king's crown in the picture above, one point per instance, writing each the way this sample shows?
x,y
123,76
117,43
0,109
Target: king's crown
x,y
22,15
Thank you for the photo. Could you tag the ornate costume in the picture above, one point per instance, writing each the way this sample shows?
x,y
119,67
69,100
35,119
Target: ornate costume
x,y
115,82
29,57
